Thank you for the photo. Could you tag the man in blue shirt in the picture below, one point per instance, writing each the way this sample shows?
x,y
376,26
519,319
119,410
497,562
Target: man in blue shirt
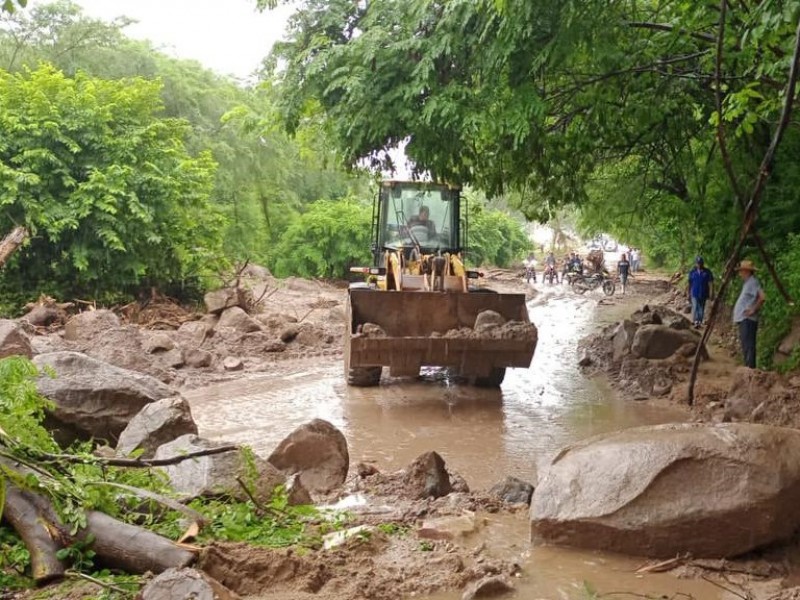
x,y
745,312
701,288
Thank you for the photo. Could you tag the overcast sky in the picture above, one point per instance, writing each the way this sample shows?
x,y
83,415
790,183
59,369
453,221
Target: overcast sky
x,y
229,36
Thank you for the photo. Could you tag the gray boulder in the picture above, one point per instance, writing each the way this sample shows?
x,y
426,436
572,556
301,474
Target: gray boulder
x,y
236,319
488,319
13,341
216,474
42,316
88,325
93,398
707,490
185,584
661,341
158,341
219,300
156,424
317,451
512,490
623,338
232,363
198,358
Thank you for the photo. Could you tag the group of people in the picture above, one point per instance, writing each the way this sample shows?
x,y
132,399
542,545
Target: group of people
x,y
572,263
745,311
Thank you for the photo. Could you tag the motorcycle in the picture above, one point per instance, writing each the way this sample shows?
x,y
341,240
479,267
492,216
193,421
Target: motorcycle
x,y
530,273
550,274
585,283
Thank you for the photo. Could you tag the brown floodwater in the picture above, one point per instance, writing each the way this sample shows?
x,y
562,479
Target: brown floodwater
x,y
482,434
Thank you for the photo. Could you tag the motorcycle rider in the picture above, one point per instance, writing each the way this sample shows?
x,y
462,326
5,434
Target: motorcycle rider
x,y
530,268
550,263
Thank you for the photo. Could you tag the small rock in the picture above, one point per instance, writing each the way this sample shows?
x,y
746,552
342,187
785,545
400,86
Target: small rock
x,y
13,341
185,584
488,587
172,359
296,492
156,424
427,477
238,320
585,360
458,484
340,538
318,452
372,330
488,319
513,491
198,358
275,346
738,408
449,527
159,342
364,470
232,363
289,334
89,324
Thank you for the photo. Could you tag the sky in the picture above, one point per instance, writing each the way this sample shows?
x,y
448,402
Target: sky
x,y
228,36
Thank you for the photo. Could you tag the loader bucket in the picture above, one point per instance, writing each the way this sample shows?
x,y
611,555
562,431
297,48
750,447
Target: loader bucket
x,y
416,326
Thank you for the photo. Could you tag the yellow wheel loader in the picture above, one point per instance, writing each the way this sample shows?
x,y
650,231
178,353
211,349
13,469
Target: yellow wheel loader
x,y
420,306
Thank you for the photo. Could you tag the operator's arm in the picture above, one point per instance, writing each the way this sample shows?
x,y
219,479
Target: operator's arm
x,y
760,299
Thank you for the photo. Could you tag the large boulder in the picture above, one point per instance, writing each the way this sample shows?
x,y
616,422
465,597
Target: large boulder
x,y
92,398
13,341
217,474
238,320
623,339
156,424
318,452
185,584
90,324
661,341
42,315
707,490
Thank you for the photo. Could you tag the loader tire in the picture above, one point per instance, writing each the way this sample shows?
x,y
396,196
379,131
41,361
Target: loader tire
x,y
364,376
493,380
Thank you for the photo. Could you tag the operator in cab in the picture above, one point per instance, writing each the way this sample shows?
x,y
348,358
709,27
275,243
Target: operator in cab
x,y
423,219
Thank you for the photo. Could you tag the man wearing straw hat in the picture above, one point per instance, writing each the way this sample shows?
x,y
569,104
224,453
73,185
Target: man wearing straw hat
x,y
745,312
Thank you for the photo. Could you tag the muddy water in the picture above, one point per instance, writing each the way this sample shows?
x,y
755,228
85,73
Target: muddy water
x,y
482,434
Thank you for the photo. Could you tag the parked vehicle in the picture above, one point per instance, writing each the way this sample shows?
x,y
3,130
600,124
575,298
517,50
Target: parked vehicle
x,y
585,283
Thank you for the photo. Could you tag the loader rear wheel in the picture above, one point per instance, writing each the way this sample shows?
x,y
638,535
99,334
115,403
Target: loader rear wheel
x,y
494,379
364,376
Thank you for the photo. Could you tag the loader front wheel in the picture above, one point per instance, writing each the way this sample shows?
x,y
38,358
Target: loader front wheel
x,y
364,376
494,379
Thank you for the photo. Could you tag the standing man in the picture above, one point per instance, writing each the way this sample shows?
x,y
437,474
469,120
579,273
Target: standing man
x,y
745,312
624,269
636,256
701,288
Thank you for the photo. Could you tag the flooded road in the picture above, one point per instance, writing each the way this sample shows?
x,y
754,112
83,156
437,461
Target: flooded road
x,y
482,434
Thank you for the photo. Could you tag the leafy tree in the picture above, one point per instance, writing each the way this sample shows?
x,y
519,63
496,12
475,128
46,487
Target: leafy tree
x,y
113,199
495,238
326,240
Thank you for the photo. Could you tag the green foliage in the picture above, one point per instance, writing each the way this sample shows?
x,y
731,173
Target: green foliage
x,y
112,199
326,240
495,238
14,561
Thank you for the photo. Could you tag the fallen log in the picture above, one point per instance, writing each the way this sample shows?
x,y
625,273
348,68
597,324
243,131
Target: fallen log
x,y
130,548
10,243
24,513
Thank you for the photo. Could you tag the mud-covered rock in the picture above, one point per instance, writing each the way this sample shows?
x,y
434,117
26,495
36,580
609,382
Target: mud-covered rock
x,y
156,424
673,489
488,319
232,363
92,398
488,587
198,358
512,490
449,527
219,300
317,451
13,341
42,316
427,477
623,338
216,474
661,341
289,334
185,584
88,325
238,320
172,359
158,341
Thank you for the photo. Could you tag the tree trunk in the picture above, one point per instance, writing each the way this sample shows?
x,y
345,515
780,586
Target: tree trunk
x,y
132,549
23,512
11,242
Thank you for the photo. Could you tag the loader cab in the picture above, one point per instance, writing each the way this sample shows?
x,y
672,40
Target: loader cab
x,y
417,215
